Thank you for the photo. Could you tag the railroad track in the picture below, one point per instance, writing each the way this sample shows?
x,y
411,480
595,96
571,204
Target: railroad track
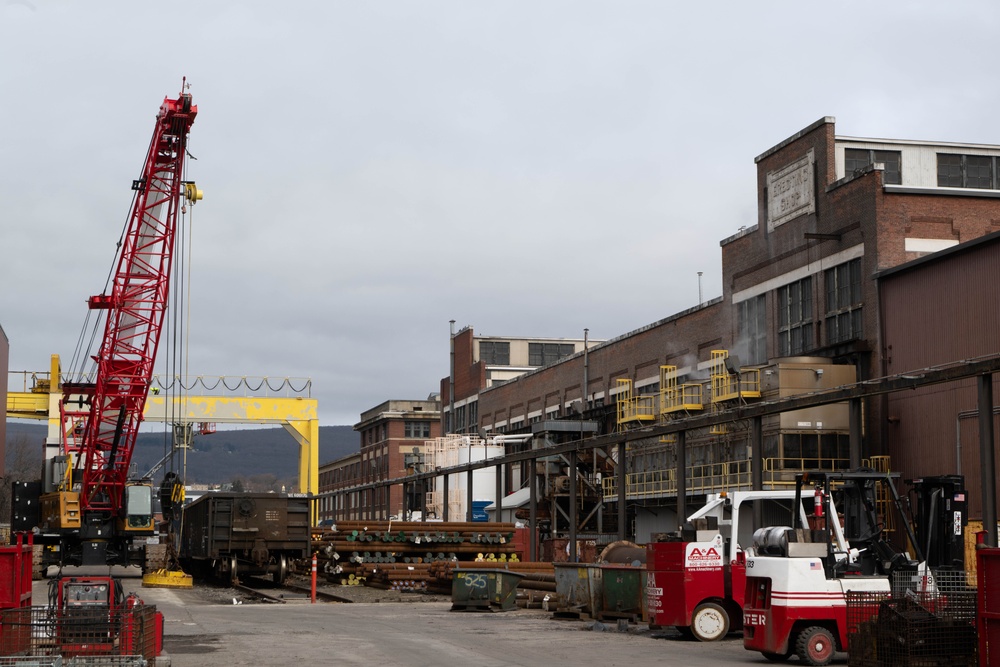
x,y
268,592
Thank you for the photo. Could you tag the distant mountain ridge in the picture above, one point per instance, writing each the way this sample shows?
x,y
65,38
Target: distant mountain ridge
x,y
224,455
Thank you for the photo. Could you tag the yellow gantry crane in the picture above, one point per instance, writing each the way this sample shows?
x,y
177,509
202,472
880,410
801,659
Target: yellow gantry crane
x,y
298,415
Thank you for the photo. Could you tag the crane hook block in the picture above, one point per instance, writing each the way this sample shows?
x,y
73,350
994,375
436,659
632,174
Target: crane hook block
x,y
192,193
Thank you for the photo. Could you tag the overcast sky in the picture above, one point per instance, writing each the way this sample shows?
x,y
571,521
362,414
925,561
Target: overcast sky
x,y
373,170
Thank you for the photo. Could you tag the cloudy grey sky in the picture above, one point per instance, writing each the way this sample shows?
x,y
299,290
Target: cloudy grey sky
x,y
373,170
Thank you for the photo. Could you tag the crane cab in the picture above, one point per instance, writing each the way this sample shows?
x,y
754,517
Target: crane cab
x,y
138,519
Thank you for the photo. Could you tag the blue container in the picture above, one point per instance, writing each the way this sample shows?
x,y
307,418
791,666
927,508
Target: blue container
x,y
479,510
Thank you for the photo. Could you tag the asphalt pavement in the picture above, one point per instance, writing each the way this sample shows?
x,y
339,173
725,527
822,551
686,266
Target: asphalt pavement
x,y
202,629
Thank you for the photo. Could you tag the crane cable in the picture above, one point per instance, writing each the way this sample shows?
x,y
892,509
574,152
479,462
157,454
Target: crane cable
x,y
82,352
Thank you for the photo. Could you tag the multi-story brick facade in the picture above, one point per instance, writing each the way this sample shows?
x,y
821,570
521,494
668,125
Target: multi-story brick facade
x,y
801,283
334,476
816,261
393,438
390,432
480,362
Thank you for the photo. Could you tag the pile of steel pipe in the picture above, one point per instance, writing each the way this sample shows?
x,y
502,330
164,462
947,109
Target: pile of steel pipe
x,y
344,549
396,576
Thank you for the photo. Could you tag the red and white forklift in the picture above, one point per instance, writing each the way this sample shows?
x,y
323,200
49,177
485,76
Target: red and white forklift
x,y
696,578
798,577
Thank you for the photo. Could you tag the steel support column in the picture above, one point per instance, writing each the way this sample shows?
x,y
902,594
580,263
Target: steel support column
x,y
600,513
406,500
444,501
681,477
987,459
757,467
468,492
498,514
533,509
572,507
622,480
854,439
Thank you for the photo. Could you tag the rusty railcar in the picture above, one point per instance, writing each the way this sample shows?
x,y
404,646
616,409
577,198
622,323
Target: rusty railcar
x,y
227,535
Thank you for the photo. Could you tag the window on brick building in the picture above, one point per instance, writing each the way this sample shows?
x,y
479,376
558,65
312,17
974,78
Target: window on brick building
x,y
843,302
494,353
859,158
752,330
967,171
543,354
795,322
417,429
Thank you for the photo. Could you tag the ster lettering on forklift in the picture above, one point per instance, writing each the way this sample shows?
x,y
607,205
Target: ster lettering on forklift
x,y
751,618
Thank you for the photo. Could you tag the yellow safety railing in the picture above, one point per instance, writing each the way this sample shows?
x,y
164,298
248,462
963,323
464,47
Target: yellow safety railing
x,y
726,386
676,397
633,408
716,477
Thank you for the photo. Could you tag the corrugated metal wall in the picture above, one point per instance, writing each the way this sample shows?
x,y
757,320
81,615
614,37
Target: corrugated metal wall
x,y
940,311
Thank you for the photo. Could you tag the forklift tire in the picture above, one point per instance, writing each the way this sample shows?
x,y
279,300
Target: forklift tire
x,y
815,646
709,622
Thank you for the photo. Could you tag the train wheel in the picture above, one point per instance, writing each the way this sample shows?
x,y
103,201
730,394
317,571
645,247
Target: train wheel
x,y
232,570
281,572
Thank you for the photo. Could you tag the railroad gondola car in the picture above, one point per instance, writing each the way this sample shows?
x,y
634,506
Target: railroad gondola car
x,y
228,535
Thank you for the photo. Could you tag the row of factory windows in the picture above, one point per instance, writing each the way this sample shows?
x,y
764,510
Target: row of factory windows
x,y
795,330
954,170
411,429
497,353
795,321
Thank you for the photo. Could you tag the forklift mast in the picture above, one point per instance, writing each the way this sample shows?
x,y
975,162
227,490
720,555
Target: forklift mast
x,y
941,514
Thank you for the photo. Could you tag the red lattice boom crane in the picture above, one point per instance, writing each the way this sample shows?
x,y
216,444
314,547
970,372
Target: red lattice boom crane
x,y
99,515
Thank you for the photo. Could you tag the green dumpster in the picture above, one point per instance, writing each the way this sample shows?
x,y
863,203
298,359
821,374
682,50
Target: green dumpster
x,y
484,590
624,589
579,590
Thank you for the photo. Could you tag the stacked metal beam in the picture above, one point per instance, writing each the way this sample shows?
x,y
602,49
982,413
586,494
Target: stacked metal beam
x,y
397,554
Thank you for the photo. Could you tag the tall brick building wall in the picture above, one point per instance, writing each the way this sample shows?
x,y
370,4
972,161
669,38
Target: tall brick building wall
x,y
821,237
555,391
388,433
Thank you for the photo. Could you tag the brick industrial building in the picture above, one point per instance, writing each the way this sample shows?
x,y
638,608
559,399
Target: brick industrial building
x,y
393,436
848,230
801,297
